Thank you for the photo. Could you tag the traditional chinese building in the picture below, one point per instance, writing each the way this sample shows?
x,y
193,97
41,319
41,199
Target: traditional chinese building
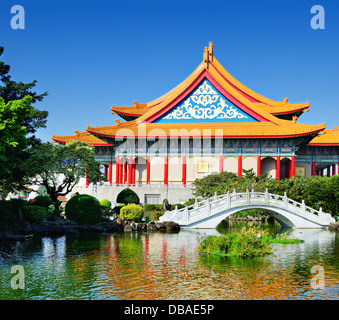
x,y
209,123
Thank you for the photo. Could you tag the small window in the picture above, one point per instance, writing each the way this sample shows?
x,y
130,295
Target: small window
x,y
152,199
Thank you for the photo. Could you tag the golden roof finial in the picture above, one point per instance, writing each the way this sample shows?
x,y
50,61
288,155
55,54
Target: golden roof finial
x,y
135,103
117,122
76,132
210,51
285,100
206,58
294,119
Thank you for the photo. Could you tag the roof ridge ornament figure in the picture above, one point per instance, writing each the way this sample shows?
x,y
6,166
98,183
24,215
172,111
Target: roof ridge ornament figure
x,y
208,55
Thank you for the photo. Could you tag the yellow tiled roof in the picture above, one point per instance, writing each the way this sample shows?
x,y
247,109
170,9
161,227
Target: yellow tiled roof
x,y
327,137
80,136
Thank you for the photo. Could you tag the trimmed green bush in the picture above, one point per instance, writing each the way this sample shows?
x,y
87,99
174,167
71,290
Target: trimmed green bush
x,y
127,196
8,214
83,208
105,203
34,214
132,212
43,201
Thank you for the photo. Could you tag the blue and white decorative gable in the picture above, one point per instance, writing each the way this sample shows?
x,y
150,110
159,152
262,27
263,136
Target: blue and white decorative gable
x,y
205,104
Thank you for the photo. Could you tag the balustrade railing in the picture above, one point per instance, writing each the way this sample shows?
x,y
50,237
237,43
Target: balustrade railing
x,y
205,208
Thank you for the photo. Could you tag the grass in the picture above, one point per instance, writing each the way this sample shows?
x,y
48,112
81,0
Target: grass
x,y
250,242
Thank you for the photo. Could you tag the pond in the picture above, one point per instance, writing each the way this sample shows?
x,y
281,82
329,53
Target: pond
x,y
162,265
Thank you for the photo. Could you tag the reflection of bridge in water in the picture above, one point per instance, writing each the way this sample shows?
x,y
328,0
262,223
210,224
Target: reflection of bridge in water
x,y
210,212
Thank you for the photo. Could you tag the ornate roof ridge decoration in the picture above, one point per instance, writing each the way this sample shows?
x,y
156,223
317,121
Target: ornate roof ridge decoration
x,y
208,59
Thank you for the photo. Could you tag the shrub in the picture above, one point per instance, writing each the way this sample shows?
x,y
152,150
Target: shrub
x,y
249,242
83,208
155,214
105,203
8,214
149,207
189,202
43,201
107,211
132,212
117,209
179,206
34,214
127,196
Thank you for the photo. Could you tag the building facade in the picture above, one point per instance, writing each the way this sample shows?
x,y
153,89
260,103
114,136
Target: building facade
x,y
209,123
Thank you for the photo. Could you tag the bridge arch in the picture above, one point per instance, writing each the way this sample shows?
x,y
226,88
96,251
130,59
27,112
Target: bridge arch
x,y
282,217
210,212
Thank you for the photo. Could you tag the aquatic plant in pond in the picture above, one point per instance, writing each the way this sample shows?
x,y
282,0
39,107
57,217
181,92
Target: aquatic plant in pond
x,y
249,242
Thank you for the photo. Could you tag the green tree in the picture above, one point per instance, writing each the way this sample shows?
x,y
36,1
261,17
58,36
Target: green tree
x,y
59,168
13,141
10,90
127,196
19,120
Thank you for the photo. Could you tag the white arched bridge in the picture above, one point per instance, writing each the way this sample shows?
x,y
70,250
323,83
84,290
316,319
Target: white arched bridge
x,y
210,212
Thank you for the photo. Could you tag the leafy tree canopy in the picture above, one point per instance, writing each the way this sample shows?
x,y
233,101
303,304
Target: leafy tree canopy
x,y
19,120
59,168
11,90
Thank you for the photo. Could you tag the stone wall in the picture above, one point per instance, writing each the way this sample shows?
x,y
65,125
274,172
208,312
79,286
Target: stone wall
x,y
174,194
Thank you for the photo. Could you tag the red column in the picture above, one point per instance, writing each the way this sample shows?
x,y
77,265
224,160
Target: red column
x,y
166,170
277,168
184,170
117,170
221,164
121,166
313,169
258,166
133,172
87,183
125,171
333,170
239,166
148,170
106,171
130,169
292,168
110,173
329,171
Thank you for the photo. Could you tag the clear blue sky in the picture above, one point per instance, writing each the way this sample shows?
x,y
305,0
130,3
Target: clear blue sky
x,y
90,55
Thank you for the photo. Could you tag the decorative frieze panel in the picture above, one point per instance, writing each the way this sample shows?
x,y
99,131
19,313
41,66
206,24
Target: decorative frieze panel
x,y
205,104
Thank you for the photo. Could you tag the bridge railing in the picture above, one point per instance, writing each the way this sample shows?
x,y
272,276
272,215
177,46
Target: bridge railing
x,y
210,206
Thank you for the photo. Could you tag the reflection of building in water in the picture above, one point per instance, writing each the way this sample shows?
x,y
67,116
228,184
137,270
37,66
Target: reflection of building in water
x,y
157,265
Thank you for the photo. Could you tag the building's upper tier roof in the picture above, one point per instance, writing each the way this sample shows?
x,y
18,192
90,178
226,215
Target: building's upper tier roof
x,y
278,108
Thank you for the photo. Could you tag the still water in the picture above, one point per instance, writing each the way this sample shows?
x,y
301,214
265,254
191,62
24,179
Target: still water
x,y
166,266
